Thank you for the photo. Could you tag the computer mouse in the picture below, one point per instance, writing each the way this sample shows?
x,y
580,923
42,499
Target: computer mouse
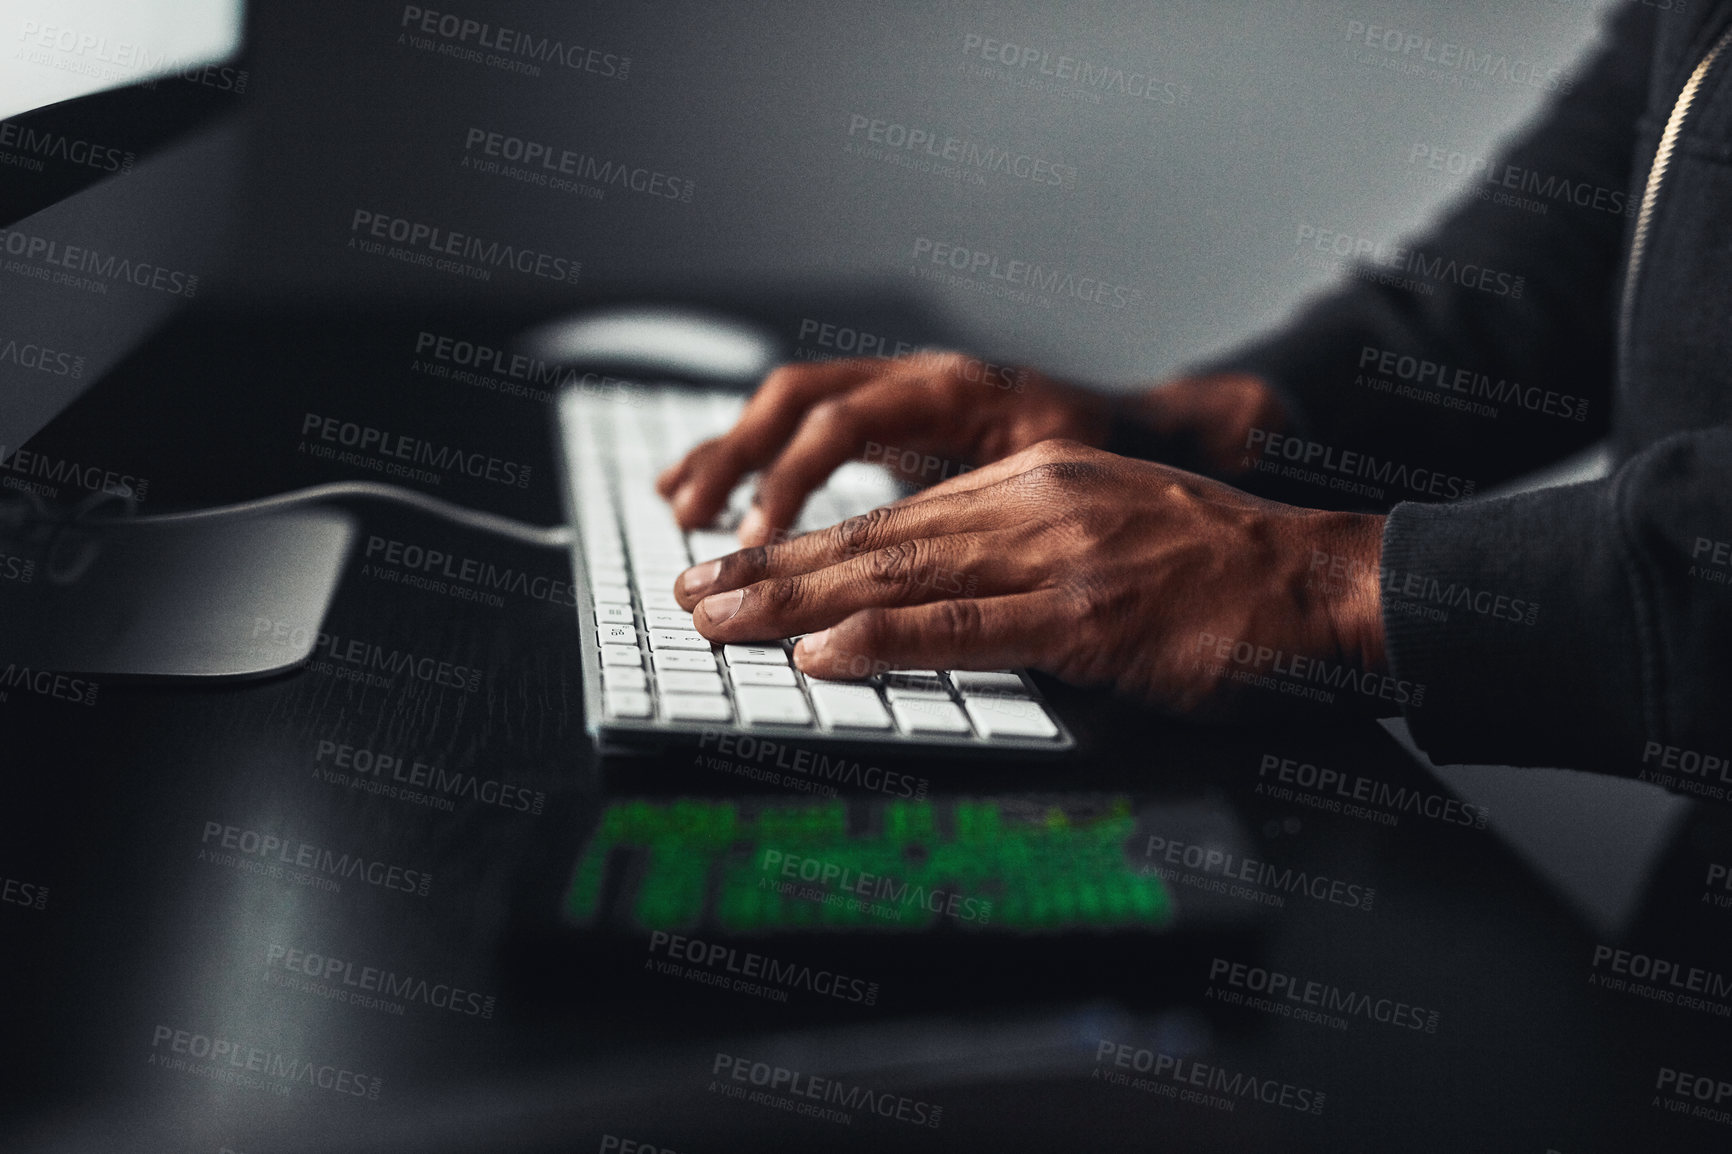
x,y
657,341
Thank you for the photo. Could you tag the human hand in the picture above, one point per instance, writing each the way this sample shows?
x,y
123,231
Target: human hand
x,y
1096,568
807,419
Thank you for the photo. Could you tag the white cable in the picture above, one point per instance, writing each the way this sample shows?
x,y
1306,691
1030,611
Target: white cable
x,y
547,537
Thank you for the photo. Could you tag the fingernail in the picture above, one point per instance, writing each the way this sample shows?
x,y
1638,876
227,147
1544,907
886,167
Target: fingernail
x,y
682,495
722,606
753,526
700,577
812,645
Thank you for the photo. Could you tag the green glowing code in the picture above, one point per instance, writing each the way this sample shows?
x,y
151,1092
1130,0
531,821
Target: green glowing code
x,y
781,867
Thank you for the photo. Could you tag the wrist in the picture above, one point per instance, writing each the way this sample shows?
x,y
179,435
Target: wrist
x,y
1202,423
1347,554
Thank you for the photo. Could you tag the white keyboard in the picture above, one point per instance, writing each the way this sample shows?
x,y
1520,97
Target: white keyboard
x,y
648,673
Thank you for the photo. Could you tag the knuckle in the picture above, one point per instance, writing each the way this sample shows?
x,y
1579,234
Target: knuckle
x,y
783,381
781,594
830,416
896,564
857,534
1088,604
957,618
745,566
1054,472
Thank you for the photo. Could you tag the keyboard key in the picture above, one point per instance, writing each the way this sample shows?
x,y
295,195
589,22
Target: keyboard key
x,y
659,597
1009,717
769,705
843,706
897,693
692,707
613,614
685,660
928,715
624,677
618,635
922,682
628,703
668,619
621,655
762,675
678,639
970,683
755,654
610,594
684,681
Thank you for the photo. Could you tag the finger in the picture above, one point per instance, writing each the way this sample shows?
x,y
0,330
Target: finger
x,y
834,431
909,573
699,485
877,529
1024,629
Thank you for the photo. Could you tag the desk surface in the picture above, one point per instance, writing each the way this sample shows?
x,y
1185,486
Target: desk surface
x,y
1451,1004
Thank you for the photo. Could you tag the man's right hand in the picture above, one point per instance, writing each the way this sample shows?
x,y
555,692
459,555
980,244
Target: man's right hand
x,y
807,419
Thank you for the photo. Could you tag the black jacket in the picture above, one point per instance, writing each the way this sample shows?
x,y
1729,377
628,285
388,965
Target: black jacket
x,y
1589,625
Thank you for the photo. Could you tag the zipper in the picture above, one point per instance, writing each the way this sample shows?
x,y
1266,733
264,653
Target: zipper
x,y
1657,177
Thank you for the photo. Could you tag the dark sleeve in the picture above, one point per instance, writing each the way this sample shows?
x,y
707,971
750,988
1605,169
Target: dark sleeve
x,y
1407,359
1586,626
